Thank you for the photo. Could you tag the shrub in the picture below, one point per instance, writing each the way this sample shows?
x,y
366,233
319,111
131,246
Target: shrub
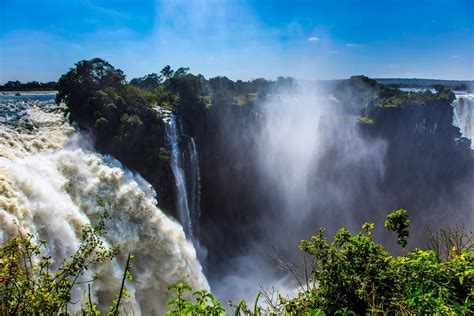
x,y
353,275
205,303
29,284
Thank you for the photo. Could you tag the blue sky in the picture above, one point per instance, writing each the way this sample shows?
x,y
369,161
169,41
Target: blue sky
x,y
40,40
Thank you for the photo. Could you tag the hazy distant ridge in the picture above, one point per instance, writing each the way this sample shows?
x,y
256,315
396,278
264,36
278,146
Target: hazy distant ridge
x,y
427,83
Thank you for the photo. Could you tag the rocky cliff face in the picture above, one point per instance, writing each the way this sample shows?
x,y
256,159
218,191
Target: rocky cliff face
x,y
429,166
425,165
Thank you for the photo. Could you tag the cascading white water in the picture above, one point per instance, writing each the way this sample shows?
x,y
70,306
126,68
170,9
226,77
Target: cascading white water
x,y
173,135
184,158
195,185
50,179
464,115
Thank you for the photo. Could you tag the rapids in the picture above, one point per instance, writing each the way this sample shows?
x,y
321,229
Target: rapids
x,y
50,180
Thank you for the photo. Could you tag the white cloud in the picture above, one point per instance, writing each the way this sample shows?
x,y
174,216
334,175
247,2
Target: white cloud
x,y
353,45
313,38
105,10
333,52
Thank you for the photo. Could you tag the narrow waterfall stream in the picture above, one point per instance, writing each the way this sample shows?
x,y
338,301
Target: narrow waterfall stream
x,y
194,187
173,132
185,167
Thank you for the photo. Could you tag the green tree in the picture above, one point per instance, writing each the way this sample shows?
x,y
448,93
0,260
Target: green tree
x,y
28,284
398,222
80,83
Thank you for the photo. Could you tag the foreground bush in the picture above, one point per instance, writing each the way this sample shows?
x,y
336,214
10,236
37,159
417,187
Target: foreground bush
x,y
31,285
353,275
355,272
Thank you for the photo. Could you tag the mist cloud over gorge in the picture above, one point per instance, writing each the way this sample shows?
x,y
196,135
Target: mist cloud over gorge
x,y
314,157
312,163
312,167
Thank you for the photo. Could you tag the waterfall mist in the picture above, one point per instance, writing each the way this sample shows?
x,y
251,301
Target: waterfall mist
x,y
315,161
313,167
312,163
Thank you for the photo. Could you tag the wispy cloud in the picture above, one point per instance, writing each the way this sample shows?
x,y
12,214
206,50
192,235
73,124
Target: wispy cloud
x,y
105,10
313,38
333,52
354,45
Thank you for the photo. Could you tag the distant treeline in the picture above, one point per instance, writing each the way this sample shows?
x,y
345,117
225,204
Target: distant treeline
x,y
29,86
459,85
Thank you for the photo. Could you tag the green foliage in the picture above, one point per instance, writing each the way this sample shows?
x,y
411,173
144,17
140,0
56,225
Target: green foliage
x,y
121,116
353,275
78,86
242,309
149,82
30,285
28,86
245,99
395,98
204,302
365,120
398,222
356,262
357,273
127,275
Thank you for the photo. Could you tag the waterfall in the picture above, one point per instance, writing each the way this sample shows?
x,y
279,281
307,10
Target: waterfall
x,y
51,177
464,115
195,188
185,167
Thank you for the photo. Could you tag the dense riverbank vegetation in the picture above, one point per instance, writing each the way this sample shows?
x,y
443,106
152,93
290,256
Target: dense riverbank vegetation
x,y
348,275
28,86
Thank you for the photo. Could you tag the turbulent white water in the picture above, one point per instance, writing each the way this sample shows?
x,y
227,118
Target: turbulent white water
x,y
50,180
464,115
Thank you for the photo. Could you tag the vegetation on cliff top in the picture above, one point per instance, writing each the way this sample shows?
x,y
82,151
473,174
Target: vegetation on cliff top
x,y
361,92
120,116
